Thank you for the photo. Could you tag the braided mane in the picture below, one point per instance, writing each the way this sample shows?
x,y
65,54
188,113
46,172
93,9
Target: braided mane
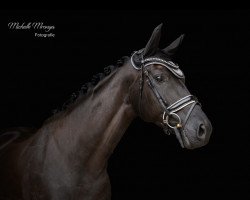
x,y
88,87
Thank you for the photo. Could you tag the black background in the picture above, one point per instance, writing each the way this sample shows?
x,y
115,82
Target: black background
x,y
39,75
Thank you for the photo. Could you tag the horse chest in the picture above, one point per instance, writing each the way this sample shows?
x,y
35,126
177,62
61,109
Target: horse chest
x,y
66,187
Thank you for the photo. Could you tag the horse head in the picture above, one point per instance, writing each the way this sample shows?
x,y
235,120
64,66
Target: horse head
x,y
159,94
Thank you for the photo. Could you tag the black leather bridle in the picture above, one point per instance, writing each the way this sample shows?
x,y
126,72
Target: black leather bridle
x,y
169,111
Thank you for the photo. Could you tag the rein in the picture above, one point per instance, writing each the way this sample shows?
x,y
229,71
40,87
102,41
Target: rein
x,y
169,111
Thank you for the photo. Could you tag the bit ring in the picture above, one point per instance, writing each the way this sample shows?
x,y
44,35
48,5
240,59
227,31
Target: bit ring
x,y
165,119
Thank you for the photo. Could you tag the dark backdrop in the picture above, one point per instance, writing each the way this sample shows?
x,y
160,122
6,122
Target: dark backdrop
x,y
39,75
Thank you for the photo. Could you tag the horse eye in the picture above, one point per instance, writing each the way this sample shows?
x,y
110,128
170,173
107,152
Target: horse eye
x,y
158,78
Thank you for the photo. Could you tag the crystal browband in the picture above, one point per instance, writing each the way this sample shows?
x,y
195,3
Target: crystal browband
x,y
174,68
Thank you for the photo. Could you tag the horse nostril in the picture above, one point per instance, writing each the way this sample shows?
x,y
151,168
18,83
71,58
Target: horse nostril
x,y
201,132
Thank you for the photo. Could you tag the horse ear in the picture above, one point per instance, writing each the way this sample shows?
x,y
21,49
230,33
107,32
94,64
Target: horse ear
x,y
153,42
173,47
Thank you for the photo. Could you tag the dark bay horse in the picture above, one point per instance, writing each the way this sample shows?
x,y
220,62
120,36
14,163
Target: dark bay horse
x,y
67,157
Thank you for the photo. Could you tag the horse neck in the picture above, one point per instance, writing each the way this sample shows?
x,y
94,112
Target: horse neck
x,y
89,133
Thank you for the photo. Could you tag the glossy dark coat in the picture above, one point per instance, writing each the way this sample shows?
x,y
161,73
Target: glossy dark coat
x,y
67,157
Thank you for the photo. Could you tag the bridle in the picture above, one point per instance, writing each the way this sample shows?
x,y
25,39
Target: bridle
x,y
169,111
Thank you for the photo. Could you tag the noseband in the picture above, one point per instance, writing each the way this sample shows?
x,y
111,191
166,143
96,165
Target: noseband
x,y
169,111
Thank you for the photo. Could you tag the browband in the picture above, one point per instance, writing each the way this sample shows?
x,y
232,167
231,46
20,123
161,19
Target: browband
x,y
173,67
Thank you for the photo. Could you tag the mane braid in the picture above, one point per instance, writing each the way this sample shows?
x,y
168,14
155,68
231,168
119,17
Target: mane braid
x,y
87,87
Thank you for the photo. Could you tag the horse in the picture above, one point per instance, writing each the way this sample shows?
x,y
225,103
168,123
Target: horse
x,y
67,157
